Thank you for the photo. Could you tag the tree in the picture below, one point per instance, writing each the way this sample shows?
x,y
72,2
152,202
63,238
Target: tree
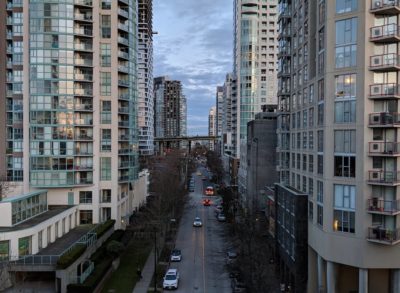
x,y
214,163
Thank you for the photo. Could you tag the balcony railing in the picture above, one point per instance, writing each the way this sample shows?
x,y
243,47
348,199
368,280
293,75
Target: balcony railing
x,y
124,164
83,92
384,148
383,177
84,107
84,2
83,16
123,40
385,33
124,150
123,123
381,206
124,97
384,118
123,110
84,181
83,31
83,62
123,82
384,90
83,77
84,137
123,13
123,137
123,54
383,235
123,26
385,6
384,62
83,46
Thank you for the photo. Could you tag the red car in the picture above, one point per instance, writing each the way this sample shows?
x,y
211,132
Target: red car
x,y
206,202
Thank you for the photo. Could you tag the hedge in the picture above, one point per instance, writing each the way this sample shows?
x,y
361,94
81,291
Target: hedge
x,y
104,227
68,258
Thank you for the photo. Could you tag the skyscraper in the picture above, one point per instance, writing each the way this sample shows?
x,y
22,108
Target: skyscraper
x,y
145,78
255,56
71,100
337,127
212,125
170,108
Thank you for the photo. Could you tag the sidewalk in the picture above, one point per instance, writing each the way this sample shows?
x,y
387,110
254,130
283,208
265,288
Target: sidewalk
x,y
142,286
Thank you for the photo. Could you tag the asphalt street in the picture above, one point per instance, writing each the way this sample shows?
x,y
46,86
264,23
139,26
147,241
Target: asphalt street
x,y
202,268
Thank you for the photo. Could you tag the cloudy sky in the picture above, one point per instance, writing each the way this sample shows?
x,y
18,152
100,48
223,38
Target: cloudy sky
x,y
194,45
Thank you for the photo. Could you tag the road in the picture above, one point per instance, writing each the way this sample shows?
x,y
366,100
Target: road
x,y
202,268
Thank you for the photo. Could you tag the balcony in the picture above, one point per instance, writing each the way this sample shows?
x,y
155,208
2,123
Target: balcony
x,y
79,152
123,110
383,207
123,137
382,148
125,150
83,92
84,137
285,33
123,54
83,62
83,47
385,62
83,31
81,121
384,119
83,77
84,2
284,71
83,107
123,27
284,12
381,177
384,91
388,33
124,97
123,123
124,164
386,7
123,41
123,82
83,16
383,235
83,181
123,68
123,13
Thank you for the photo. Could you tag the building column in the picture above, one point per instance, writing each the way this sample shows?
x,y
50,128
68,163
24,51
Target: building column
x,y
331,277
363,280
395,276
320,272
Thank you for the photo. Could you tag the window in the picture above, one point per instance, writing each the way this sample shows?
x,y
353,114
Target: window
x,y
310,140
320,215
105,26
321,90
346,43
320,118
310,210
106,195
321,39
344,208
310,187
24,246
321,12
345,112
310,163
105,140
345,86
85,217
320,162
321,63
311,117
105,169
311,93
4,250
105,114
320,192
85,197
105,55
320,137
105,83
305,118
345,166
304,140
304,162
345,141
344,6
106,4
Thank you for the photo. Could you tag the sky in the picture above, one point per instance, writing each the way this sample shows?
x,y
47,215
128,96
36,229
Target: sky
x,y
194,45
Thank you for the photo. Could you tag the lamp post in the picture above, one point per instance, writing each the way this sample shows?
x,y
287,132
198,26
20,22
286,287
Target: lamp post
x,y
155,259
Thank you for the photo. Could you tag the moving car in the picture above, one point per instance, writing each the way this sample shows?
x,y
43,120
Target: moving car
x,y
206,202
176,255
198,173
171,279
197,222
209,190
221,217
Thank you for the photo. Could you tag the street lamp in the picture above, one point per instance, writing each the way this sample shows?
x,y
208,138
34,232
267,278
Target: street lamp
x,y
155,259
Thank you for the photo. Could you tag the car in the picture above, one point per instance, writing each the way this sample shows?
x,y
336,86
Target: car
x,y
218,209
238,286
206,202
176,255
197,222
231,257
198,173
221,217
171,279
204,178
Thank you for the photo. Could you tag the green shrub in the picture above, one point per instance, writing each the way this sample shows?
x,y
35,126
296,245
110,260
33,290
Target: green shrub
x,y
104,227
68,258
114,248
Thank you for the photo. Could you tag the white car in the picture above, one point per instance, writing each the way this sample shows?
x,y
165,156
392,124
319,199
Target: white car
x,y
176,255
197,222
171,279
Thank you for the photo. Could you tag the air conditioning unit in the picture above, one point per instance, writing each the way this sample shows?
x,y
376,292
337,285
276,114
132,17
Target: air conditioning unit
x,y
376,61
375,90
377,32
374,147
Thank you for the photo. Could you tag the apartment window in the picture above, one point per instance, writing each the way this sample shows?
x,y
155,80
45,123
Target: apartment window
x,y
321,12
345,166
345,111
345,86
311,93
85,217
320,162
106,195
105,83
304,184
311,140
321,63
310,187
305,117
345,6
105,55
105,26
320,215
304,140
298,161
321,39
320,117
105,140
320,138
105,169
106,4
321,90
85,197
311,117
293,160
310,163
346,43
345,141
320,192
310,210
4,250
298,140
304,162
344,208
105,114
25,246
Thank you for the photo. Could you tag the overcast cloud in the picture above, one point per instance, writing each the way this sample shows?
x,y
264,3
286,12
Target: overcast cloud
x,y
194,45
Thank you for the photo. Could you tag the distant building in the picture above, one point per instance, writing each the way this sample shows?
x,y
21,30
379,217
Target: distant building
x,y
170,116
145,78
212,126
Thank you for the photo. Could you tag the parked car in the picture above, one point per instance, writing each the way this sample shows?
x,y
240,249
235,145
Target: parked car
x,y
218,209
221,217
197,222
171,279
231,257
176,255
